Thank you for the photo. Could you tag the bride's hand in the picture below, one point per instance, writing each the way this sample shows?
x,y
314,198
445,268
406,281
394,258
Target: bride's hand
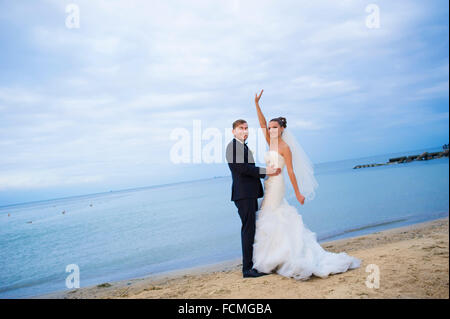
x,y
258,97
300,198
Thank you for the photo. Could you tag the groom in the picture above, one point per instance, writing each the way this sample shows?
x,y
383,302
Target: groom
x,y
246,190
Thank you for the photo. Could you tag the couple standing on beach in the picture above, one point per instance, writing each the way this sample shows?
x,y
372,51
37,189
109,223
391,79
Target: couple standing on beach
x,y
274,238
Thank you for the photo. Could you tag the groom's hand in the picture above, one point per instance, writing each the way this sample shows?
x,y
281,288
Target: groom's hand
x,y
271,171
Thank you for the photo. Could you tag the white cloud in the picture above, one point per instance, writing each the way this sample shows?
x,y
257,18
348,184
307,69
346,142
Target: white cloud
x,y
440,89
314,86
42,179
18,95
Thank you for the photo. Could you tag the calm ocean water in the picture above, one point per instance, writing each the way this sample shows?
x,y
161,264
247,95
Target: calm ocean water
x,y
135,233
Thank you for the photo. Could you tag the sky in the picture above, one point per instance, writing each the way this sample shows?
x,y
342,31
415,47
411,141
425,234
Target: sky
x,y
92,92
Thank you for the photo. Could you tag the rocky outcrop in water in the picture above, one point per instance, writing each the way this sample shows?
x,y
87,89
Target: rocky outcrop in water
x,y
406,159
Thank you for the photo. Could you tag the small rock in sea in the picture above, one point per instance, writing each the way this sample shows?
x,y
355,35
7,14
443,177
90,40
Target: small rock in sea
x,y
63,212
29,222
106,284
90,205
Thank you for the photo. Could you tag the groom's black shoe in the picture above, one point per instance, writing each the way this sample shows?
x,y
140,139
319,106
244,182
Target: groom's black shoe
x,y
253,273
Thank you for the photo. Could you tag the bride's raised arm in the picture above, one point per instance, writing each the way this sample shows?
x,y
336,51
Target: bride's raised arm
x,y
261,118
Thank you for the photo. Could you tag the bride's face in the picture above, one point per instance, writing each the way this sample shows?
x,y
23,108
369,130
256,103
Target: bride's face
x,y
275,129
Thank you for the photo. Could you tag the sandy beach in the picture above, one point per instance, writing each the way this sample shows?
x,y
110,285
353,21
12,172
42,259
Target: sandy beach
x,y
413,262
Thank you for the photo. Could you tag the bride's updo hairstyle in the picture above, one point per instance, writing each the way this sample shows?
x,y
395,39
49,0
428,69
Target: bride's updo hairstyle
x,y
281,120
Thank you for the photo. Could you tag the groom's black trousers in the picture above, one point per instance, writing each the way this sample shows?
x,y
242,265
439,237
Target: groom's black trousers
x,y
247,211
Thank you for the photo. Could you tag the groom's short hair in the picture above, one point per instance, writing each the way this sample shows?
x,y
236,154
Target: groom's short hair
x,y
238,122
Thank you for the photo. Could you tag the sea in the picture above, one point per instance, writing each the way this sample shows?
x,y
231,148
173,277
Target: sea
x,y
126,234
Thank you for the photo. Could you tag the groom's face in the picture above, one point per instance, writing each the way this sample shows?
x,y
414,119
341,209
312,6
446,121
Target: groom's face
x,y
241,131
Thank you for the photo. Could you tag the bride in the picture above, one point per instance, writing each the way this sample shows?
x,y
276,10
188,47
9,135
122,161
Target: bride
x,y
282,242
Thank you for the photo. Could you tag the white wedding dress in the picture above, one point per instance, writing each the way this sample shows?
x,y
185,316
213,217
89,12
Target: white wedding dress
x,y
283,243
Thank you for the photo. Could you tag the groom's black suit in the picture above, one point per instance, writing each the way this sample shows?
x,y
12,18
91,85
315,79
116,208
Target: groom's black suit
x,y
245,191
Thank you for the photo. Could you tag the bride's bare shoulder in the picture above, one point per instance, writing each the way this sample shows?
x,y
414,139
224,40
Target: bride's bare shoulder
x,y
284,149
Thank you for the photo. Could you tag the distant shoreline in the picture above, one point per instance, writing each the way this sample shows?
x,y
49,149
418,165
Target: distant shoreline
x,y
404,248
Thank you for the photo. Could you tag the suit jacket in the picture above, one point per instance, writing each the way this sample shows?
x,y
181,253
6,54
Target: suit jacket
x,y
246,176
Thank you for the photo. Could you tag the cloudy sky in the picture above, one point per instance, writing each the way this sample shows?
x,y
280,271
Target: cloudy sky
x,y
91,108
